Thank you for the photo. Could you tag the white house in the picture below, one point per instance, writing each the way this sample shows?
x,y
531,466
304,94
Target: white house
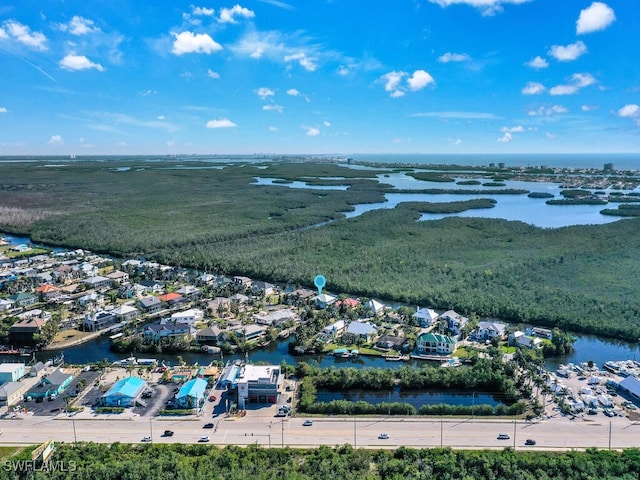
x,y
325,300
434,343
426,317
519,339
489,330
190,316
376,307
360,331
455,321
336,328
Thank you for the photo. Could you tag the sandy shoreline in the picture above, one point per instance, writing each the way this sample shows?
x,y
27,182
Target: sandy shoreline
x,y
72,342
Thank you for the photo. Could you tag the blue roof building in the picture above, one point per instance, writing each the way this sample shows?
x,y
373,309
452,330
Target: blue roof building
x,y
191,393
124,393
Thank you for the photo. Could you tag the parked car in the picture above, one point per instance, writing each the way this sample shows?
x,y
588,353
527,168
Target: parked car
x,y
212,398
530,441
383,436
307,423
208,425
503,436
203,439
281,413
146,439
609,413
168,433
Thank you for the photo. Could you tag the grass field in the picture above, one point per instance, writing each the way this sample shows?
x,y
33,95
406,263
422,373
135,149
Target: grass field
x,y
579,278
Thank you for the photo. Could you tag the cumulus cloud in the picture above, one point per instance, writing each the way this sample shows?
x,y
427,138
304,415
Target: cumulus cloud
x,y
202,11
537,63
568,53
305,62
265,92
516,129
212,74
326,124
229,15
55,140
486,7
79,26
272,107
630,110
13,30
78,62
189,42
312,131
533,88
160,117
506,138
419,80
3,110
293,92
221,123
546,111
596,17
577,81
272,128
589,108
453,57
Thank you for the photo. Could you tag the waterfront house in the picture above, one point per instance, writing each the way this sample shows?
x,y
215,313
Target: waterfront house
x,y
150,304
519,339
263,288
335,329
189,317
375,307
48,292
6,304
239,281
425,317
435,344
455,321
489,330
126,313
124,393
189,291
213,335
391,342
191,394
359,332
23,247
325,300
277,318
26,331
152,286
99,321
158,331
542,333
348,303
250,333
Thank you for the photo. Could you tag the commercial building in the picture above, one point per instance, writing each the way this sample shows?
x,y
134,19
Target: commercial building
x,y
124,393
11,372
258,384
52,384
12,393
191,394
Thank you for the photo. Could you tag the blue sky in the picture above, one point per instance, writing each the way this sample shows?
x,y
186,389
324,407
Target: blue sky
x,y
319,76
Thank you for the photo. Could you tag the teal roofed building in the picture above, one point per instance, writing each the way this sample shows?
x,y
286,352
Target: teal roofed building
x,y
435,343
191,393
124,393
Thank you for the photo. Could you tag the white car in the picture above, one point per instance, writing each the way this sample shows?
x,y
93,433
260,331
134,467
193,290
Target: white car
x,y
204,439
383,436
307,423
146,439
503,436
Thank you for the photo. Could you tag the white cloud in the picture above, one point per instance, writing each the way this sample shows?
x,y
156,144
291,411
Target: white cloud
x,y
160,117
3,110
547,111
486,7
221,123
392,83
229,15
630,110
79,26
78,62
202,11
312,131
55,140
455,141
578,81
307,63
516,129
589,108
272,128
279,4
537,62
12,29
550,135
568,53
596,17
212,74
293,92
453,57
170,143
343,71
189,42
419,80
506,138
146,93
326,124
265,92
273,108
533,88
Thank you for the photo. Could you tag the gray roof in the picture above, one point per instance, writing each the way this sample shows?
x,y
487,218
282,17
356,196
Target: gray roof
x,y
632,385
56,377
359,328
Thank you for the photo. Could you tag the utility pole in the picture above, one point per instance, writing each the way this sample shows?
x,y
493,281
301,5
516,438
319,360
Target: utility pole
x,y
514,434
75,437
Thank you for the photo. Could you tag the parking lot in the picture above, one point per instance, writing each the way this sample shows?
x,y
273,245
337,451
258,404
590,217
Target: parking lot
x,y
73,394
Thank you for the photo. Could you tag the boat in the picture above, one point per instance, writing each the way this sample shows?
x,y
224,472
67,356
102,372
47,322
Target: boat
x,y
10,352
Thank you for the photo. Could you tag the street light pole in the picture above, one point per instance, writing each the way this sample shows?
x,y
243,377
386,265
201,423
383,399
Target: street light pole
x,y
75,437
282,431
151,430
514,434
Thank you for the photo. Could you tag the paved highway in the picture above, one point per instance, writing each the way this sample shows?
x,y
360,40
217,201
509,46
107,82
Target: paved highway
x,y
554,434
